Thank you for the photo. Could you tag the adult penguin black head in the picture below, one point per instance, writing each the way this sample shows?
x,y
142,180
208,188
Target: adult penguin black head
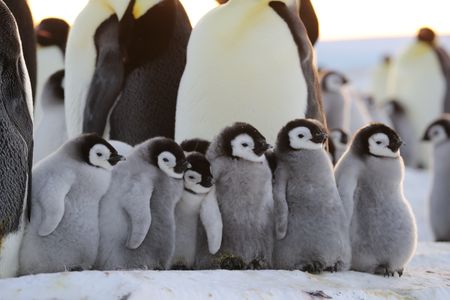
x,y
308,16
24,19
16,138
52,31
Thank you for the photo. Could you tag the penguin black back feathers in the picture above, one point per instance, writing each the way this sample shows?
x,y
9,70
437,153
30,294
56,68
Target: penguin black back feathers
x,y
24,19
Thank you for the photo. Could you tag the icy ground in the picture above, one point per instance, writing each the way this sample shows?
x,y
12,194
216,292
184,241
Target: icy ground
x,y
426,277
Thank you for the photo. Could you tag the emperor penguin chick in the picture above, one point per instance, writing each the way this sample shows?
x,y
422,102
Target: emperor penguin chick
x,y
244,193
67,188
195,145
438,133
311,225
137,214
370,182
338,144
198,202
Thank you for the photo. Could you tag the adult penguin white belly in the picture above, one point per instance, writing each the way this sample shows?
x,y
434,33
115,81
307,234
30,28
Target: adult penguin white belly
x,y
420,82
16,142
380,81
94,38
247,61
51,35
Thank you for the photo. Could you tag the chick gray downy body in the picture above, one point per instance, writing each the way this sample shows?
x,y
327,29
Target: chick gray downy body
x,y
137,221
63,231
439,134
244,195
313,231
370,182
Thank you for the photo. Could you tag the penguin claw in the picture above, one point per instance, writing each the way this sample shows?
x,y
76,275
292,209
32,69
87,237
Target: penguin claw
x,y
314,267
232,263
400,272
257,264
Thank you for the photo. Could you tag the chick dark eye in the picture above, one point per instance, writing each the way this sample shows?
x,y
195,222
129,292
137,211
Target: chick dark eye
x,y
378,143
165,159
301,136
244,145
191,177
99,154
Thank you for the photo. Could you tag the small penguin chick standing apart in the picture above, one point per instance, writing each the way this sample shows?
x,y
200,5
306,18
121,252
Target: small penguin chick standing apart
x,y
310,218
338,143
67,187
370,182
244,193
195,145
198,201
438,133
137,214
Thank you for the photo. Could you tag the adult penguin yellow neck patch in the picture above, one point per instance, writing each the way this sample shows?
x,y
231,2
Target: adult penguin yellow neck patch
x,y
142,6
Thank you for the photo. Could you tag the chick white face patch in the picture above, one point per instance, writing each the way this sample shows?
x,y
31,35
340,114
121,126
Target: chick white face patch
x,y
242,146
167,163
300,138
437,134
99,155
379,146
192,181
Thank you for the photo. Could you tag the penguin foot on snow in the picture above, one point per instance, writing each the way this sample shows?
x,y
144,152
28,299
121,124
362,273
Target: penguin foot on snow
x,y
386,271
231,262
181,267
257,264
314,267
338,266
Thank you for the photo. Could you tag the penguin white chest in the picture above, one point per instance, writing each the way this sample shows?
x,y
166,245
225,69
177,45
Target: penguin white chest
x,y
242,65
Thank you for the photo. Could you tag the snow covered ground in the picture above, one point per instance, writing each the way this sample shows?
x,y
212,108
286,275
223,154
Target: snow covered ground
x,y
426,277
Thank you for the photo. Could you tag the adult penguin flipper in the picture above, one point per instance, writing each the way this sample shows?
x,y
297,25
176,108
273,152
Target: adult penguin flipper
x,y
108,77
309,18
444,60
305,50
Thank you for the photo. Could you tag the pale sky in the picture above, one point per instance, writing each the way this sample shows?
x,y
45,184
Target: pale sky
x,y
339,19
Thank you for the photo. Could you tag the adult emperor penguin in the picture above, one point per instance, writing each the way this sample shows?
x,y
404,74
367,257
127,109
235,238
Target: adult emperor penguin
x,y
123,67
51,132
24,19
244,193
312,228
308,16
63,233
16,142
380,80
51,37
198,203
369,178
247,60
420,81
438,133
137,214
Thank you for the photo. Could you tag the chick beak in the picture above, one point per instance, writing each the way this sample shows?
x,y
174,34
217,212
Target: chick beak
x,y
320,138
114,159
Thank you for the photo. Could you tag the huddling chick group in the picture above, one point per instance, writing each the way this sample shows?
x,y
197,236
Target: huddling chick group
x,y
234,203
